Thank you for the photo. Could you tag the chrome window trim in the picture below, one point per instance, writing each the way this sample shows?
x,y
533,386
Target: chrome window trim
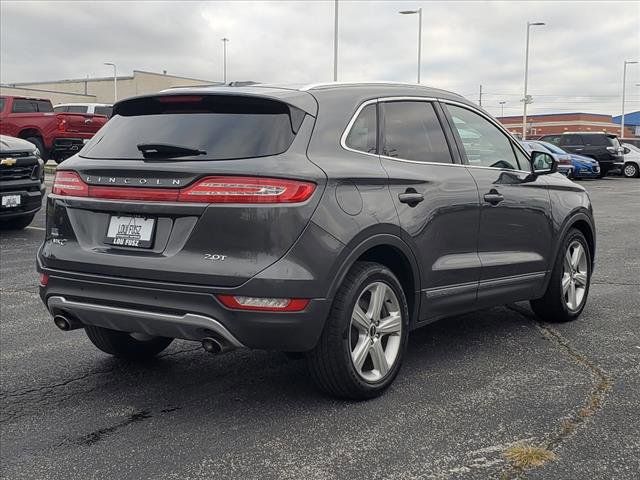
x,y
347,130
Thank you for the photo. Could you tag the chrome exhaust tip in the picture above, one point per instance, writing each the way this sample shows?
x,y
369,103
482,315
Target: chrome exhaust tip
x,y
62,322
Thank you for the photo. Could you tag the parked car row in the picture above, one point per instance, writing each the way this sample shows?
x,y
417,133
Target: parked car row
x,y
58,135
569,164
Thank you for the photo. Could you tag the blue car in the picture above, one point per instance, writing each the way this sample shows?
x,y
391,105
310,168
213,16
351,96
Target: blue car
x,y
569,164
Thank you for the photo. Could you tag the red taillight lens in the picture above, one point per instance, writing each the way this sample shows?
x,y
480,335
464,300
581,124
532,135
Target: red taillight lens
x,y
208,190
247,190
237,302
43,280
62,125
69,183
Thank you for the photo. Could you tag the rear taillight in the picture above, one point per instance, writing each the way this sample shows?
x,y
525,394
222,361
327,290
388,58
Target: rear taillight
x,y
237,302
68,183
220,189
62,125
247,190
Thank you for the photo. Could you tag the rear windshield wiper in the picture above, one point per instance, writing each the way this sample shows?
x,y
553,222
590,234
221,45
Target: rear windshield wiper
x,y
164,150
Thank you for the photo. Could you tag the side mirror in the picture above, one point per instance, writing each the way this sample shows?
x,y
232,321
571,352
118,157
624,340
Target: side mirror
x,y
626,150
543,163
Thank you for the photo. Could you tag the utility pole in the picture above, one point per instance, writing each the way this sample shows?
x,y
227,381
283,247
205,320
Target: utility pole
x,y
502,108
335,42
480,96
527,98
224,59
624,87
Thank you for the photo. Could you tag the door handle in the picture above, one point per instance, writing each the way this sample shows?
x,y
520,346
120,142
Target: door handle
x,y
410,197
88,120
493,197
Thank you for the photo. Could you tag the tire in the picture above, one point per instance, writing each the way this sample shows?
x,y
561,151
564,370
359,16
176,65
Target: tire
x,y
18,223
557,304
37,141
330,362
630,170
123,345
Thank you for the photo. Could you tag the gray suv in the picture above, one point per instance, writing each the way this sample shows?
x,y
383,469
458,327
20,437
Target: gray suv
x,y
328,219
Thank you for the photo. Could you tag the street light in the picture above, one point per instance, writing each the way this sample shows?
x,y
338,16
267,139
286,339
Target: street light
x,y
115,81
624,85
502,108
526,100
419,12
335,42
224,59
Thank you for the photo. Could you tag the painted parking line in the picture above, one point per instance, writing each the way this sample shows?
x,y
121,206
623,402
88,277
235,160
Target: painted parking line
x,y
36,228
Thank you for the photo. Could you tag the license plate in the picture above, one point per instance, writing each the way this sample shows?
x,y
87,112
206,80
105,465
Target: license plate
x,y
10,201
130,231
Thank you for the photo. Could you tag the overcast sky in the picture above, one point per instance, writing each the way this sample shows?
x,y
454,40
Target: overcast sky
x,y
576,59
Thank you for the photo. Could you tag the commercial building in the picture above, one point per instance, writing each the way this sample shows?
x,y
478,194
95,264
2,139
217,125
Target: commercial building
x,y
631,120
100,90
544,124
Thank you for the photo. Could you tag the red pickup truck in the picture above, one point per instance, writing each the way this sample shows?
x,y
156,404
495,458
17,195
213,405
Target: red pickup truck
x,y
57,135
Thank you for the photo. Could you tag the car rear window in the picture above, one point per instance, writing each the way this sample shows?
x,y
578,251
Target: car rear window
x,y
226,127
26,105
598,140
77,109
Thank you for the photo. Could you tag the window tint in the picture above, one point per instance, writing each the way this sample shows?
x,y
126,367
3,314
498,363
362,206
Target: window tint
x,y
77,109
412,131
363,133
60,109
44,106
597,140
484,144
572,140
1,104
24,106
552,148
106,111
225,127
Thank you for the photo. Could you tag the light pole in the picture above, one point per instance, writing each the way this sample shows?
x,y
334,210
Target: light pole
x,y
335,42
419,12
526,100
624,85
502,109
224,59
115,81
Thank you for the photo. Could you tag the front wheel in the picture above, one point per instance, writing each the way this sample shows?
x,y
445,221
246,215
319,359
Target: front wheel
x,y
630,170
363,342
132,346
568,287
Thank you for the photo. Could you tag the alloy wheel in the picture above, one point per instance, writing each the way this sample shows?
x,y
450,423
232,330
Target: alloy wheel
x,y
575,276
630,170
375,332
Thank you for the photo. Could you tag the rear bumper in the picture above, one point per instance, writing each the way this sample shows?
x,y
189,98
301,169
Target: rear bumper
x,y
178,311
65,147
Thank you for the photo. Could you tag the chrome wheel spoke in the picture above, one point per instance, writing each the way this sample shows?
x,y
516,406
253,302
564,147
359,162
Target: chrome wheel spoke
x,y
580,279
379,359
576,256
377,299
567,260
390,324
572,295
360,352
360,320
566,283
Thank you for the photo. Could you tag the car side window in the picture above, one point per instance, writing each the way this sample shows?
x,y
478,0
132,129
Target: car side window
x,y
1,104
412,131
484,144
572,140
23,106
363,135
77,109
60,109
106,111
43,106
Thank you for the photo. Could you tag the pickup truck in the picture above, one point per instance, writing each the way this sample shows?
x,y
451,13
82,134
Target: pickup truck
x,y
57,135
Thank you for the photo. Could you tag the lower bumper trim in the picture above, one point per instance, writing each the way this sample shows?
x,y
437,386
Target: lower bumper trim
x,y
188,326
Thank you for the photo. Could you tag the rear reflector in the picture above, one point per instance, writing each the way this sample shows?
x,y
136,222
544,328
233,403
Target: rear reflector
x,y
264,304
43,280
221,189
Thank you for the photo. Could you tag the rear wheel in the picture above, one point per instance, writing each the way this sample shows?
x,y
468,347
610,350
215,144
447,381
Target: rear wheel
x,y
630,170
362,345
18,223
568,287
37,141
126,345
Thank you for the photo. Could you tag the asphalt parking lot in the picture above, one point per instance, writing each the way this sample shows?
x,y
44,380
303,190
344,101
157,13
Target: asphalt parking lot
x,y
471,388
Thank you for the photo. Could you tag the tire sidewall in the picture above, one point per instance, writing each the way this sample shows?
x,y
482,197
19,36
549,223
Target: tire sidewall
x,y
374,274
635,170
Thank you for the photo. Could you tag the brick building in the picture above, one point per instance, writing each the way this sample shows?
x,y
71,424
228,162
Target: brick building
x,y
544,124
